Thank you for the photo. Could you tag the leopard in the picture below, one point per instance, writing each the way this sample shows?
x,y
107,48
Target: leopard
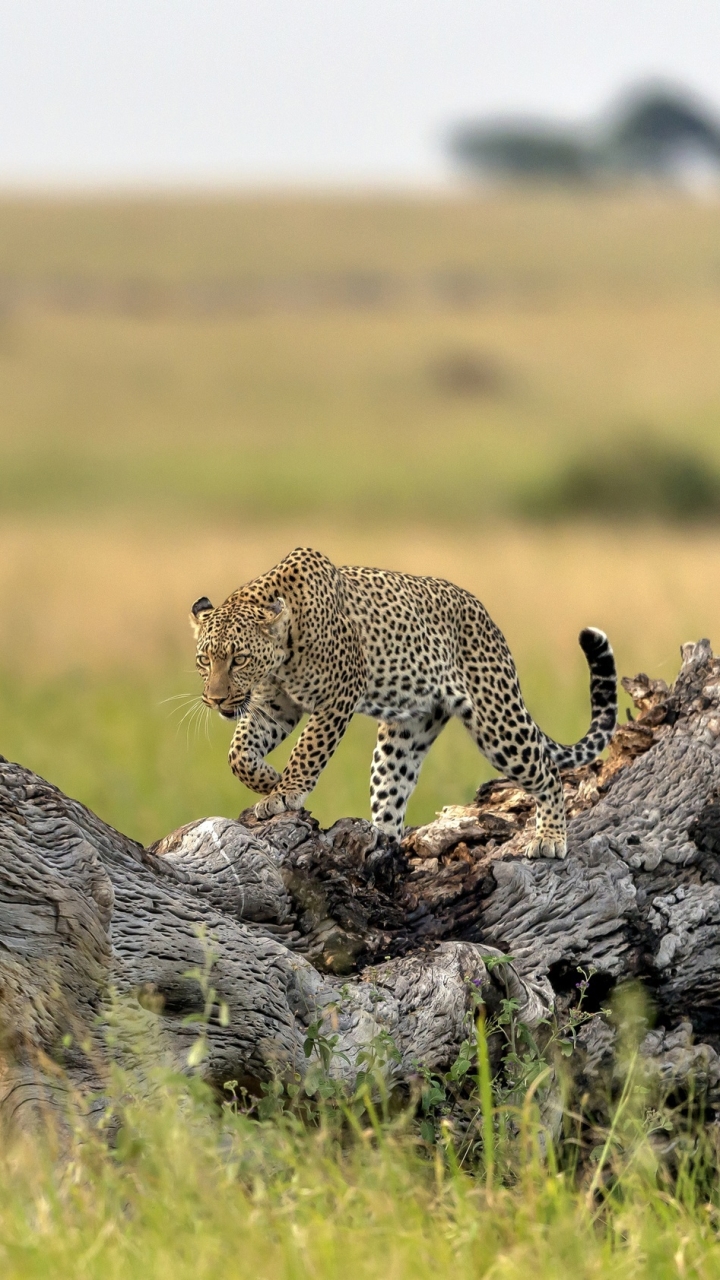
x,y
310,638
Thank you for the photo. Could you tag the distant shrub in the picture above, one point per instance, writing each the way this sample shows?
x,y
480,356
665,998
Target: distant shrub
x,y
526,152
468,373
645,478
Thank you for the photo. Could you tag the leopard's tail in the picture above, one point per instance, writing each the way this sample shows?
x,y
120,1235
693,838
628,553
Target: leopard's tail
x,y
603,699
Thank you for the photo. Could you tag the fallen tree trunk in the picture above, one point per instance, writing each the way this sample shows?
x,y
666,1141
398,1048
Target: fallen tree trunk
x,y
370,941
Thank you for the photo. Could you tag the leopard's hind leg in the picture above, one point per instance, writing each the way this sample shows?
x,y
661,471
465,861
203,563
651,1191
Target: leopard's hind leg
x,y
400,750
507,734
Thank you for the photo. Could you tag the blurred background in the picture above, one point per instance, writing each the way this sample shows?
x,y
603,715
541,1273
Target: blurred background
x,y
429,286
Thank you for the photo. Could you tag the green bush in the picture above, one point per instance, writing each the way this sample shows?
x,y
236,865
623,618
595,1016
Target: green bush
x,y
647,478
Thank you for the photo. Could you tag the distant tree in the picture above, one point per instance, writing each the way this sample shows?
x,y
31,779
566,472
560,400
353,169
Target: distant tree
x,y
656,128
655,131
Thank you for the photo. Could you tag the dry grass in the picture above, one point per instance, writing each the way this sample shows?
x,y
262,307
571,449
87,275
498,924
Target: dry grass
x,y
137,371
662,243
338,413
103,596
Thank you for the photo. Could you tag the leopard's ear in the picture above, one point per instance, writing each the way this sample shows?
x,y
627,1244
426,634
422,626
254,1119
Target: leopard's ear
x,y
199,614
275,615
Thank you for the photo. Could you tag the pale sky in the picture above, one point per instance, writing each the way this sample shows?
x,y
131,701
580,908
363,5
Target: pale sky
x,y
313,91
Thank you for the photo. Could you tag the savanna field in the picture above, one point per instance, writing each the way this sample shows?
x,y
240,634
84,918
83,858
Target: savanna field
x,y
190,388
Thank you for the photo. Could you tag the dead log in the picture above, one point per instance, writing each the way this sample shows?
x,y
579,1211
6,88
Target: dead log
x,y
374,942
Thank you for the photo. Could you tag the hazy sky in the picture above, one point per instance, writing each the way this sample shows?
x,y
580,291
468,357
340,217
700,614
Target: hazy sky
x,y
97,91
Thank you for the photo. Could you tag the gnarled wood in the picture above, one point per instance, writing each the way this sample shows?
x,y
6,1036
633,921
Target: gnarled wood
x,y
347,926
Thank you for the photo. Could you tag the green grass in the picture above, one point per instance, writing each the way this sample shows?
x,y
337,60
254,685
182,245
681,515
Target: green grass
x,y
185,1192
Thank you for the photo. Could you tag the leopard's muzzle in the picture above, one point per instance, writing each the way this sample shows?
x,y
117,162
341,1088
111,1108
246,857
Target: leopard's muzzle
x,y
234,710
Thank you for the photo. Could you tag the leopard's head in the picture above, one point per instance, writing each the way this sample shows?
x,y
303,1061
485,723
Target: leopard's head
x,y
239,645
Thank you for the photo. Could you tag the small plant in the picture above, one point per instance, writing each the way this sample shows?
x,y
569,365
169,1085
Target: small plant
x,y
485,1107
318,1045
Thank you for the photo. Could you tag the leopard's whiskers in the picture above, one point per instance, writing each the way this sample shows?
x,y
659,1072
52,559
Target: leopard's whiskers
x,y
194,721
189,715
184,703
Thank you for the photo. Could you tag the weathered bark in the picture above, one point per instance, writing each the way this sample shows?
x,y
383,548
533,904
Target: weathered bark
x,y
346,926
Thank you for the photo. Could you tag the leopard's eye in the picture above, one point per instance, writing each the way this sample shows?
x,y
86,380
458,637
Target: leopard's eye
x,y
240,660
203,661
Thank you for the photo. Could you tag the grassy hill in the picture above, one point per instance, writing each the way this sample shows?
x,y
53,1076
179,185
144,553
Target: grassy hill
x,y
358,358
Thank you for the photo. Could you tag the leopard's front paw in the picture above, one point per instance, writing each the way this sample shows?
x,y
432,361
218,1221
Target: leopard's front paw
x,y
279,802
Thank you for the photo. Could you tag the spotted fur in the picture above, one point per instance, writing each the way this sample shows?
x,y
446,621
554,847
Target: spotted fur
x,y
308,637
